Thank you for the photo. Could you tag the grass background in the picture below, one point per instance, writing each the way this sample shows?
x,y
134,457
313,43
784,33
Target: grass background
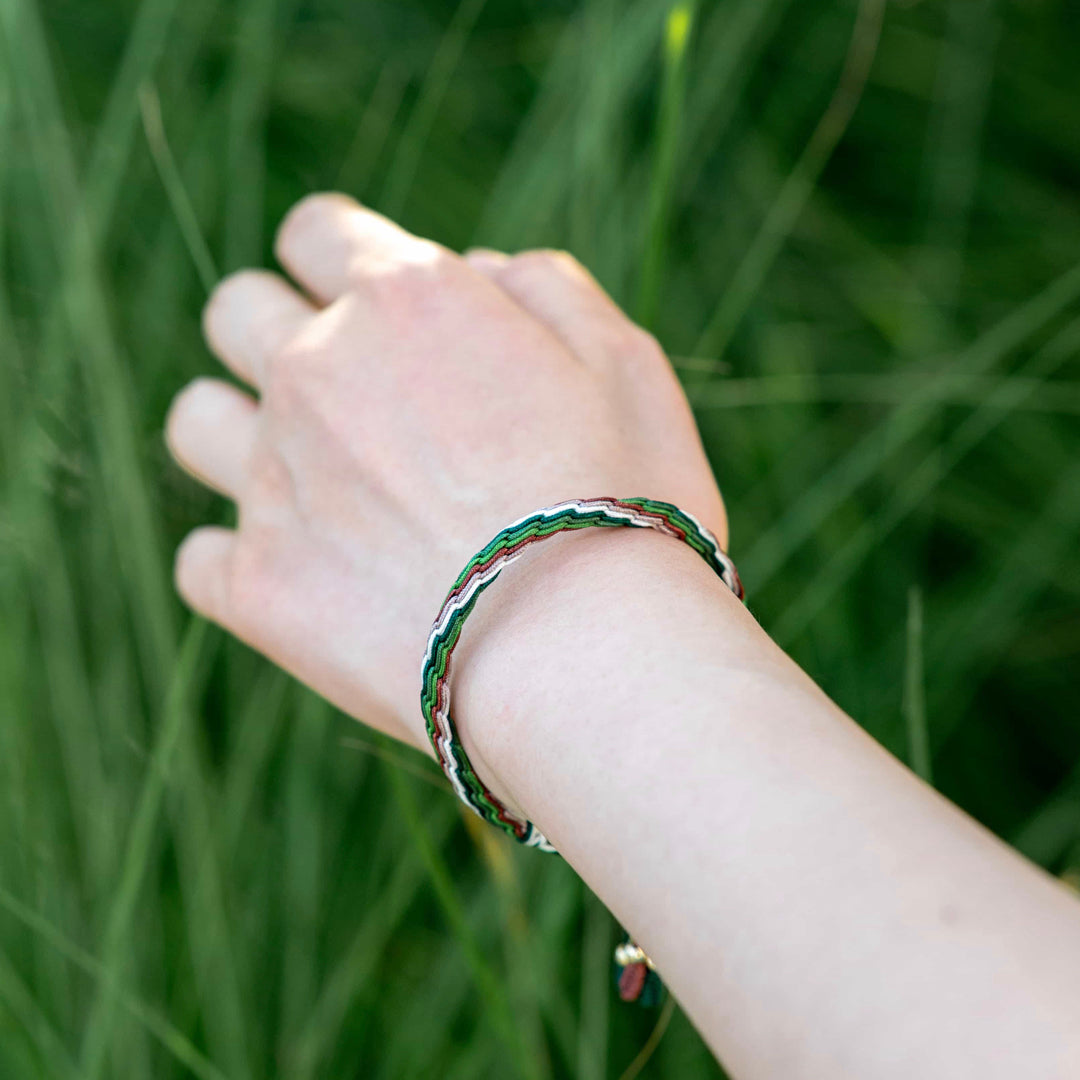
x,y
854,226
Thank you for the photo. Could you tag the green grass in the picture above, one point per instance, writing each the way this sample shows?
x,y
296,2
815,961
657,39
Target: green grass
x,y
853,226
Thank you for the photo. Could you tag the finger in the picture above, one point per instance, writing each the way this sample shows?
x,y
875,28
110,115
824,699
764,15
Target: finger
x,y
210,430
326,239
250,317
556,289
202,570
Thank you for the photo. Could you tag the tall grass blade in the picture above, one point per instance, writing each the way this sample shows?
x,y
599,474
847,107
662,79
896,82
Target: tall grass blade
x,y
793,196
669,117
914,701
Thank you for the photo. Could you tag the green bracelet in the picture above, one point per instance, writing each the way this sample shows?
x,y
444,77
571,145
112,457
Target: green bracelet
x,y
481,572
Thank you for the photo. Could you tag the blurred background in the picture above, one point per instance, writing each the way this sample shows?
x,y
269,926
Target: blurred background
x,y
856,229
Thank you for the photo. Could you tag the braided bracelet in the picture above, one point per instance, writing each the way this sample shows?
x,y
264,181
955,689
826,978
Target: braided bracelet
x,y
481,572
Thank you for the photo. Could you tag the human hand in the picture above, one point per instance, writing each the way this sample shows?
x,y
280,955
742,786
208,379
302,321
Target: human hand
x,y
412,404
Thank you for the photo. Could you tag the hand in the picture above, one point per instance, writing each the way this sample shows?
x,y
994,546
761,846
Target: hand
x,y
410,405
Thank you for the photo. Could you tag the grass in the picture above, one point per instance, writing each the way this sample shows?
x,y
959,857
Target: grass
x,y
854,226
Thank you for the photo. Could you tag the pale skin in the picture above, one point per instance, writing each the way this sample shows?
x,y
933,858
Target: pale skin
x,y
815,908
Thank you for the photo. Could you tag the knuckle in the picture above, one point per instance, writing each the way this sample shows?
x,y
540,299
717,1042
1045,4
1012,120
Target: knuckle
x,y
269,480
311,208
250,573
645,345
557,258
541,262
182,405
274,343
288,381
230,292
413,283
301,389
635,344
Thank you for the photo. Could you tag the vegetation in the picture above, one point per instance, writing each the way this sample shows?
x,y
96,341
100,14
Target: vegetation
x,y
856,230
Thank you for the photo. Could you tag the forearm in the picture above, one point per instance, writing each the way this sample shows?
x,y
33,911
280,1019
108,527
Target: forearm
x,y
815,907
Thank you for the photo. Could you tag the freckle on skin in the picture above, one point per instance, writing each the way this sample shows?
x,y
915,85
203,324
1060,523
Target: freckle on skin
x,y
949,915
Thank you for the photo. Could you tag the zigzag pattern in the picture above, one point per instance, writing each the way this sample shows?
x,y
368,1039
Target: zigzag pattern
x,y
480,572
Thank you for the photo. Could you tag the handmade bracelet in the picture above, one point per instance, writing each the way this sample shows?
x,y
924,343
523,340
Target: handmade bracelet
x,y
480,572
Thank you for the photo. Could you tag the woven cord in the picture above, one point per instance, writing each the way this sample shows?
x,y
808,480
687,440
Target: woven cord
x,y
480,573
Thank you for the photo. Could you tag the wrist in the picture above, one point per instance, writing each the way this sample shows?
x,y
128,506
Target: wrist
x,y
582,625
